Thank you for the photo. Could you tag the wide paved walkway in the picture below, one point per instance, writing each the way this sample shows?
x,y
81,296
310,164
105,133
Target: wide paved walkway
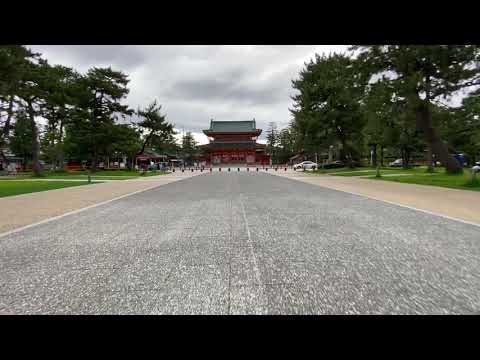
x,y
460,204
237,243
21,210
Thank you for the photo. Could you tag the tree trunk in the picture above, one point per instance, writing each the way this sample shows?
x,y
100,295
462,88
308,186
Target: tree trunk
x,y
93,165
36,167
381,155
145,142
437,147
374,155
6,130
54,159
429,160
60,154
346,154
6,127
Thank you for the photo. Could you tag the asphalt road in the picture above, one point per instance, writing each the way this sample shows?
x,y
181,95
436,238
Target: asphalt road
x,y
242,243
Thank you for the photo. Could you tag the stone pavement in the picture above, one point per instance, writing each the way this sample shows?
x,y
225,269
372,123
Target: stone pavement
x,y
238,243
460,204
21,210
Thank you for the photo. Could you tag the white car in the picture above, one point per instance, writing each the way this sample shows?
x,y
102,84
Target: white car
x,y
305,165
476,167
396,163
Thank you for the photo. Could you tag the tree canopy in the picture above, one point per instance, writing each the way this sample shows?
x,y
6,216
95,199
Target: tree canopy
x,y
389,98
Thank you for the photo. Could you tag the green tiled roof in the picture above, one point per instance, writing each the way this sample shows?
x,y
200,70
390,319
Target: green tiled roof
x,y
232,126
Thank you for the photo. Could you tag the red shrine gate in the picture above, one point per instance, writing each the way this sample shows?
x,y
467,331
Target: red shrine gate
x,y
235,142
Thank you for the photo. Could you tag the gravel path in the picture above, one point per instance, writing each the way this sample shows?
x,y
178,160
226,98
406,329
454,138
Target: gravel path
x,y
23,210
455,203
242,243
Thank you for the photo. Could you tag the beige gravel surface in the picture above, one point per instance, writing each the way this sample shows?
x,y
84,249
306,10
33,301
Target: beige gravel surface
x,y
459,204
22,210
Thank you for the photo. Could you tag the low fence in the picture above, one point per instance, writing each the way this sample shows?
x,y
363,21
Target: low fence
x,y
232,168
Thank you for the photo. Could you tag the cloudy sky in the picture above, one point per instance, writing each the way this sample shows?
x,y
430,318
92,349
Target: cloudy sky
x,y
197,83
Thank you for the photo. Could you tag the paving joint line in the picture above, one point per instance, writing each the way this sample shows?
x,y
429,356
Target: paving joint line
x,y
252,252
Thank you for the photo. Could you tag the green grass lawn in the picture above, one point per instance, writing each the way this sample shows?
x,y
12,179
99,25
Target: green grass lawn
x,y
438,178
416,175
82,174
356,171
328,171
12,187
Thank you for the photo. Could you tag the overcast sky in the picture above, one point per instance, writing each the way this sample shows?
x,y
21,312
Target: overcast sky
x,y
197,83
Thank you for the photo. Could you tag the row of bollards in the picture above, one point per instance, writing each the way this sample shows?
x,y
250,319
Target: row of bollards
x,y
229,169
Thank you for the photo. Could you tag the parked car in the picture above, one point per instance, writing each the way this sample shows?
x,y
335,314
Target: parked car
x,y
334,165
476,167
396,163
305,165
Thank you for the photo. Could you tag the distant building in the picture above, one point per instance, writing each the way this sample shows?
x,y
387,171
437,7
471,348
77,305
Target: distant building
x,y
149,157
8,158
234,142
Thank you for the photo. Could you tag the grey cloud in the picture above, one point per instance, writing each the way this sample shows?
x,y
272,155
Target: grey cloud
x,y
196,83
218,90
85,56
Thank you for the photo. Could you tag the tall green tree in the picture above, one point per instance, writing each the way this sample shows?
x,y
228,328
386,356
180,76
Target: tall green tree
x,y
377,108
60,100
272,141
17,80
327,104
424,74
22,138
98,105
32,93
126,141
390,123
461,127
189,147
286,145
155,126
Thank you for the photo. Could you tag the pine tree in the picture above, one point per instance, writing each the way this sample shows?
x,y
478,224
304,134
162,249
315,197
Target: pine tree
x,y
327,104
424,74
189,147
272,140
22,138
158,130
98,106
